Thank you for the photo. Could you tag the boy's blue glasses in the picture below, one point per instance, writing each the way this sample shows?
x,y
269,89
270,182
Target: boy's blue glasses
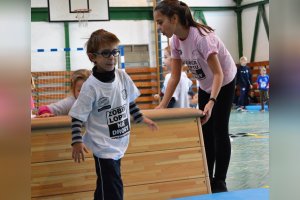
x,y
108,53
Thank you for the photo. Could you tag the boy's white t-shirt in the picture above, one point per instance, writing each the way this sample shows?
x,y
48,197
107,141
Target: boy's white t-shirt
x,y
105,109
181,92
194,52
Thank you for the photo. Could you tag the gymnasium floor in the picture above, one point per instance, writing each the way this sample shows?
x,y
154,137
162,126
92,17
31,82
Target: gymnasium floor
x,y
249,165
248,174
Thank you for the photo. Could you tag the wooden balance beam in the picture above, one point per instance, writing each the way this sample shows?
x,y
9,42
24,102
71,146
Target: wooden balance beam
x,y
168,163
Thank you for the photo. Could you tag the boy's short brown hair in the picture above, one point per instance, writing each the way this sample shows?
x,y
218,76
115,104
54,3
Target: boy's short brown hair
x,y
98,38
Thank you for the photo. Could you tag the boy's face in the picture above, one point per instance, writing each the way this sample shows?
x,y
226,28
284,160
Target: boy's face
x,y
262,72
106,57
243,62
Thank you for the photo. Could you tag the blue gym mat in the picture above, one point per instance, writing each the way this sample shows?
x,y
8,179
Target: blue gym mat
x,y
256,107
249,194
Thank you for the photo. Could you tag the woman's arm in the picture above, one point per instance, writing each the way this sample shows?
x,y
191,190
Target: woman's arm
x,y
172,84
215,66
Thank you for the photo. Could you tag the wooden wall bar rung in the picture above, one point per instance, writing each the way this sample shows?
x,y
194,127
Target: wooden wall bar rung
x,y
48,84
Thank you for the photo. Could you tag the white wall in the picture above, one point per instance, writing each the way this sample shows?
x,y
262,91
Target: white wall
x,y
248,26
112,3
46,35
51,35
143,3
128,31
38,3
225,25
245,2
217,3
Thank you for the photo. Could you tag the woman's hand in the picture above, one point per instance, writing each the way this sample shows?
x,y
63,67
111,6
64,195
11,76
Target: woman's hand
x,y
160,106
78,151
207,112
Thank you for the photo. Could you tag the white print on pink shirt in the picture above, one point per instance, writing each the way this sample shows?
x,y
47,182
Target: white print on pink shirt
x,y
195,69
194,52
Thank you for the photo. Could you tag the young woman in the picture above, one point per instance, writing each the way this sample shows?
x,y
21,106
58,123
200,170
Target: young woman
x,y
204,53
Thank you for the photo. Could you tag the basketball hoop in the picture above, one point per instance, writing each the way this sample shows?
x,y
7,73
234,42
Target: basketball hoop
x,y
82,15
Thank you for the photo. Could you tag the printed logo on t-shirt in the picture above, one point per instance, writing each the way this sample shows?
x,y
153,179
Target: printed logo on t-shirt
x,y
103,104
263,83
195,69
179,51
117,121
124,94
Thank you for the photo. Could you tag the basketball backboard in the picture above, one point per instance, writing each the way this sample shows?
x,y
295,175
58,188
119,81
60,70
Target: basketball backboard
x,y
67,10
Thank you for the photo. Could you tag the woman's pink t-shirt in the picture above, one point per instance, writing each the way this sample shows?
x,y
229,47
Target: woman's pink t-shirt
x,y
194,51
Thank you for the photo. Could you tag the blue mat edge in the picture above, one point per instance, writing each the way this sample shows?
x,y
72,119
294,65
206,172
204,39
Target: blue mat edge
x,y
262,194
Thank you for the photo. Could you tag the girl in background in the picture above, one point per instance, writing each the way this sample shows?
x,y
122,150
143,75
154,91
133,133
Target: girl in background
x,y
31,98
180,98
63,106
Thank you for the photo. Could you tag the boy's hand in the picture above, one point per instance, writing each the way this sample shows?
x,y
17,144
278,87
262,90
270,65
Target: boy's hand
x,y
78,151
151,124
156,97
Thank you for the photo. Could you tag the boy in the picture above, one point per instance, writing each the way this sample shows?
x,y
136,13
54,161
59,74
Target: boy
x,y
105,102
244,81
263,87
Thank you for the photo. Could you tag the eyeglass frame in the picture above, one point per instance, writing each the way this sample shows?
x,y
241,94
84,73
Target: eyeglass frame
x,y
114,52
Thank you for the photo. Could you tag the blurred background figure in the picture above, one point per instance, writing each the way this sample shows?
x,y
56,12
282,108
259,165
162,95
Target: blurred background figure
x,y
263,87
181,97
244,82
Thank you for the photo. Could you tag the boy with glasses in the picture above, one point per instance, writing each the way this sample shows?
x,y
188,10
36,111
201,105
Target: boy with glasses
x,y
105,103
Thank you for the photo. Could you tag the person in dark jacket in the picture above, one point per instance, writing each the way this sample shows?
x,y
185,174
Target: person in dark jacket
x,y
244,81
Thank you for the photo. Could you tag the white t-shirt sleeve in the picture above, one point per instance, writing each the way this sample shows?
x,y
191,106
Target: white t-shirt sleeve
x,y
133,92
83,106
208,45
167,78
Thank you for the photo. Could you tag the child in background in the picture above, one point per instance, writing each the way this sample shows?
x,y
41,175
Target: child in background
x,y
252,98
263,87
63,106
105,104
244,81
31,98
180,98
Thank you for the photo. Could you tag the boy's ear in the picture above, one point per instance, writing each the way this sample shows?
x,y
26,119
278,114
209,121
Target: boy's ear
x,y
92,57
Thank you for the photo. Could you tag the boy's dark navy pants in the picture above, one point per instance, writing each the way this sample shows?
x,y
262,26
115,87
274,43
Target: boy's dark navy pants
x,y
109,181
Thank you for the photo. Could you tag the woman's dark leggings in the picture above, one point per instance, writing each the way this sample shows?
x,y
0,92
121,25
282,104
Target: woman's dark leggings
x,y
216,131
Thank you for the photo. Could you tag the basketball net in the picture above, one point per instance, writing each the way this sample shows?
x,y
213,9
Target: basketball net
x,y
82,15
